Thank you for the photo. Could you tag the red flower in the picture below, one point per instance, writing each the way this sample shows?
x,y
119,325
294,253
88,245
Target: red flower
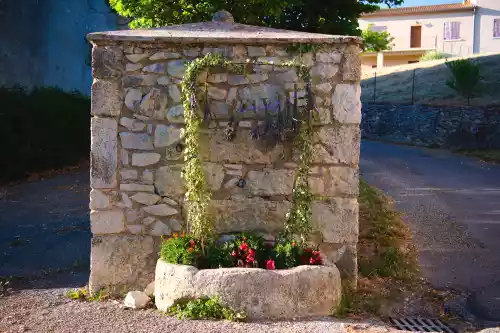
x,y
191,243
234,254
244,247
270,264
251,256
243,238
294,244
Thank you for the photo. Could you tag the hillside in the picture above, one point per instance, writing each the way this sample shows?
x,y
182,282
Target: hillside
x,y
394,84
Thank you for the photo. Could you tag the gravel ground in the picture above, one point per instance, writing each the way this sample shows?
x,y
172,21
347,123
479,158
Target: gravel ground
x,y
47,310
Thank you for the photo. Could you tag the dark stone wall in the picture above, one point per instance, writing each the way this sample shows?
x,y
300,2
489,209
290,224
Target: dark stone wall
x,y
433,126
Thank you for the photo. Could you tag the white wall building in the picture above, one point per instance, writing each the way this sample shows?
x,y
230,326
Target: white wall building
x,y
457,29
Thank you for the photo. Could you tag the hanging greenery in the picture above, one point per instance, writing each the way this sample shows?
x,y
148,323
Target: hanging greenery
x,y
197,191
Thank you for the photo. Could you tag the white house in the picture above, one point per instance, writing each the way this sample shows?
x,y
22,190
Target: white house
x,y
457,29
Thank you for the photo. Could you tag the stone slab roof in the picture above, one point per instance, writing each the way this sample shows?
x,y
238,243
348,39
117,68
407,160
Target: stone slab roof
x,y
443,8
218,32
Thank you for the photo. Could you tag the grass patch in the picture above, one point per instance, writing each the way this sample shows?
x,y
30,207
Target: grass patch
x,y
387,260
83,294
204,308
487,155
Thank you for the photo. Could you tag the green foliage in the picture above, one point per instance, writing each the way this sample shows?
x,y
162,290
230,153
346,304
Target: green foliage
x,y
375,41
77,294
204,308
287,255
42,129
182,250
298,220
301,48
465,78
432,55
197,192
334,17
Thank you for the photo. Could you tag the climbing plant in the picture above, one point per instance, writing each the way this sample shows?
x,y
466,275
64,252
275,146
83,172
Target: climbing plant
x,y
198,194
197,191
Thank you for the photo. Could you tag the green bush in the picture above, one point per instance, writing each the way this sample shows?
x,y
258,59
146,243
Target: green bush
x,y
465,78
204,308
432,55
42,129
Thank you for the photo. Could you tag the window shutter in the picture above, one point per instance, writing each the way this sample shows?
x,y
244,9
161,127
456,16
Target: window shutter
x,y
447,31
455,27
496,28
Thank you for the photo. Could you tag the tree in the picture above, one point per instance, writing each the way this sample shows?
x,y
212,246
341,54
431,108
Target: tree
x,y
376,41
321,16
465,78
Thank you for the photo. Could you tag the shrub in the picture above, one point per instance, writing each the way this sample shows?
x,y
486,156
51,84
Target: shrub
x,y
465,78
432,55
375,41
204,308
42,129
182,249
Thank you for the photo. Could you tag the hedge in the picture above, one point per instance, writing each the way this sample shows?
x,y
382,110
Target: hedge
x,y
43,129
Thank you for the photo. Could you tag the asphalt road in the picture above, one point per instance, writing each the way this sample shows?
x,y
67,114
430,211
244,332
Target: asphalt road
x,y
452,204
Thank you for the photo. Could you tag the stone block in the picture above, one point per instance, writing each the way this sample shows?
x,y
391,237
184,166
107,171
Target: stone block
x,y
236,80
341,181
214,175
324,87
303,291
217,93
324,71
155,68
216,148
249,214
139,141
174,93
133,67
163,55
348,264
137,57
168,181
98,200
256,51
193,52
147,199
160,229
329,57
346,101
337,145
336,219
136,188
133,98
217,78
175,114
107,222
351,67
176,68
128,174
270,182
154,103
220,109
122,261
145,159
160,210
106,98
104,153
166,135
107,62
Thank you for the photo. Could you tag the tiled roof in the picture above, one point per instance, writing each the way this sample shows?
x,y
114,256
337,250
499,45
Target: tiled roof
x,y
452,7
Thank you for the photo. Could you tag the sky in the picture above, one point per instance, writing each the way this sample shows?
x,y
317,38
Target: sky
x,y
427,2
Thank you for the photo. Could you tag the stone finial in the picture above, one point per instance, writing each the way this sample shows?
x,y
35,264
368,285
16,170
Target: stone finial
x,y
223,16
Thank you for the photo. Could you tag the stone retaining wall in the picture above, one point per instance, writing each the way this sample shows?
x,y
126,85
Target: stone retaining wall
x,y
433,126
136,159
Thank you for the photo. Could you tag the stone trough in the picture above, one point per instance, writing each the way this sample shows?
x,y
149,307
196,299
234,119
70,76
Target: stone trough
x,y
304,291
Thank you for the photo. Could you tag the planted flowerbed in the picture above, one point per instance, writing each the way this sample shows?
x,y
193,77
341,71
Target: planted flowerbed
x,y
242,250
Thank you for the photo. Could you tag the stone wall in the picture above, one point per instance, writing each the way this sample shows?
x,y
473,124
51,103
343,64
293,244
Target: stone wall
x,y
433,126
136,159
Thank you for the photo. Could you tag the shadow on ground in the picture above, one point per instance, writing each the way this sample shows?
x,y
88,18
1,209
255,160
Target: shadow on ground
x,y
45,231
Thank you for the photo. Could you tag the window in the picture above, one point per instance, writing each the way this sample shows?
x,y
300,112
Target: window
x,y
374,66
496,28
413,61
378,28
451,30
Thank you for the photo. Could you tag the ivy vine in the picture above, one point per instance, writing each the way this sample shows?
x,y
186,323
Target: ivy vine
x,y
198,195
